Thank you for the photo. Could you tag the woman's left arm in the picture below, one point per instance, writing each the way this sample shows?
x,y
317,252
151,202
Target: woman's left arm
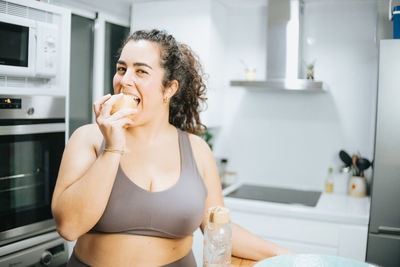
x,y
244,244
249,246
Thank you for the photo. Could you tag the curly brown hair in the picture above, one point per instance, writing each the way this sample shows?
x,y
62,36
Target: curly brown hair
x,y
181,64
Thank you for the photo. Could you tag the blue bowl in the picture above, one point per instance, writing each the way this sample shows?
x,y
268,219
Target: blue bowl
x,y
310,260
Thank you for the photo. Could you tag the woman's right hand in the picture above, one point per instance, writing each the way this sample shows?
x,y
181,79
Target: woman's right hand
x,y
112,126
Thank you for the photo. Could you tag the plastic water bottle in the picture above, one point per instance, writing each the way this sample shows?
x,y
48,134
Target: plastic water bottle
x,y
394,14
396,22
217,238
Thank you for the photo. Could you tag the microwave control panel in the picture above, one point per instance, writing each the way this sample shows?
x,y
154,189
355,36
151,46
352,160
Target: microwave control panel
x,y
46,51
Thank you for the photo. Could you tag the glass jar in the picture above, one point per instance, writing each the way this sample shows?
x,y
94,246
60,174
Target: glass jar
x,y
217,238
329,181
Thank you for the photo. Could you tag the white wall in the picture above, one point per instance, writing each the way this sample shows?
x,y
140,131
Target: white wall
x,y
282,139
199,24
291,139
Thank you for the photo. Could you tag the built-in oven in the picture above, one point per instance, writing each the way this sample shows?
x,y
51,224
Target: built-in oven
x,y
32,140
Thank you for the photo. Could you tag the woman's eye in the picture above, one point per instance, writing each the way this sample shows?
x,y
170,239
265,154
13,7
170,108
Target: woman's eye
x,y
142,71
119,69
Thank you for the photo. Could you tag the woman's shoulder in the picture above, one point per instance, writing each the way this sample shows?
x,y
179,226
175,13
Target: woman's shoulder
x,y
201,151
88,129
198,144
89,134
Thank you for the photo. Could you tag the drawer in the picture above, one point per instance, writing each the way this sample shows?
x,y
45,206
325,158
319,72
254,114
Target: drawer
x,y
289,229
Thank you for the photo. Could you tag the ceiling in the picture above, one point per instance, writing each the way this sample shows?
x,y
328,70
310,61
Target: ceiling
x,y
122,8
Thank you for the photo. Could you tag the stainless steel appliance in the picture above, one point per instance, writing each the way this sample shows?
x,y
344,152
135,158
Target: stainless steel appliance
x,y
383,247
32,140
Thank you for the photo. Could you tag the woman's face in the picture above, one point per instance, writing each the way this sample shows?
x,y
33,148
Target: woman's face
x,y
138,73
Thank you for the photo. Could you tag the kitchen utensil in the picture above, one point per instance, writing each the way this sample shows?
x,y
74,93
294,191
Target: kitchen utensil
x,y
345,158
362,165
354,161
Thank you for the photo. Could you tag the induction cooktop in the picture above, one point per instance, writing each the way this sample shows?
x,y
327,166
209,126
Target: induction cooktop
x,y
276,194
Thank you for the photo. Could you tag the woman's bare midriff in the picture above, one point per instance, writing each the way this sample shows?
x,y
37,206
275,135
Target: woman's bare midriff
x,y
124,250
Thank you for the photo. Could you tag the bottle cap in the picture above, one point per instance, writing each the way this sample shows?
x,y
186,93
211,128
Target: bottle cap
x,y
218,215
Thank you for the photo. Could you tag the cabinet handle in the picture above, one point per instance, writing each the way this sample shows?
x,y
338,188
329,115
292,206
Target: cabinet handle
x,y
388,230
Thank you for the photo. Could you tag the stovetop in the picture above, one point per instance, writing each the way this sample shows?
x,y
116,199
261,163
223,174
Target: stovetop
x,y
276,194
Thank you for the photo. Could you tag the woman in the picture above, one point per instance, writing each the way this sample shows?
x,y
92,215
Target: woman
x,y
134,191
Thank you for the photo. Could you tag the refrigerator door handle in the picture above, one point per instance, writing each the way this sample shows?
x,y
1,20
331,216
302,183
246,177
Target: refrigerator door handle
x,y
388,230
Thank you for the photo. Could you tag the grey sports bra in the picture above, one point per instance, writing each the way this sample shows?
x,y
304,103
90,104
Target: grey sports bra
x,y
173,213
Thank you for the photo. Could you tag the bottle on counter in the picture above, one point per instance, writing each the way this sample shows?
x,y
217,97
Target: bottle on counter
x,y
217,238
329,182
222,171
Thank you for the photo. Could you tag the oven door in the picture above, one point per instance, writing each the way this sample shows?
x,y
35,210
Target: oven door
x,y
30,159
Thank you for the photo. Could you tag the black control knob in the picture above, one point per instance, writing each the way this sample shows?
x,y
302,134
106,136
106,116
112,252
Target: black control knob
x,y
46,257
30,111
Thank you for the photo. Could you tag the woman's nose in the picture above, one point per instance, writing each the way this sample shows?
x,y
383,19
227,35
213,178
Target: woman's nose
x,y
128,79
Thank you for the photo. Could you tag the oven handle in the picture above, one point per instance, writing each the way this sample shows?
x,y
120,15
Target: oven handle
x,y
32,129
22,175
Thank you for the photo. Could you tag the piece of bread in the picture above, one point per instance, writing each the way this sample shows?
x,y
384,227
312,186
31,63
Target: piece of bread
x,y
127,101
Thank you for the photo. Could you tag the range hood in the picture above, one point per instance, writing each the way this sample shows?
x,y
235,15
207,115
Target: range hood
x,y
283,84
285,66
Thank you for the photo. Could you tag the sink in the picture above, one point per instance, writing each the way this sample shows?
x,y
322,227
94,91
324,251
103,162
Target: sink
x,y
276,194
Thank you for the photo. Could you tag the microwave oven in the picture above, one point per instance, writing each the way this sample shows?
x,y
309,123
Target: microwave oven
x,y
28,48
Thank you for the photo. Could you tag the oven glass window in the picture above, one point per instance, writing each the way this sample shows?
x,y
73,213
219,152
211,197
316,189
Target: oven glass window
x,y
14,45
22,184
28,172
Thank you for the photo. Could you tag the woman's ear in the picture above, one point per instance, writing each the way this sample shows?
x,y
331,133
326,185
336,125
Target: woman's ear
x,y
172,88
170,91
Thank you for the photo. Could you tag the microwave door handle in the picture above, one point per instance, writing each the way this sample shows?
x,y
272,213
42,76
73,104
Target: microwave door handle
x,y
32,129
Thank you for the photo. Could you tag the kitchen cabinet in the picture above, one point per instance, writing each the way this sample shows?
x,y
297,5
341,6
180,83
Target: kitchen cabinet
x,y
197,247
306,236
338,225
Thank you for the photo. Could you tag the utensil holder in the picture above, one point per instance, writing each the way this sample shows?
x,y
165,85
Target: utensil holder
x,y
357,186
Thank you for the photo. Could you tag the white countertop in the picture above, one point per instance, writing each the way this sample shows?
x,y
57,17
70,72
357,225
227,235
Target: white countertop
x,y
330,208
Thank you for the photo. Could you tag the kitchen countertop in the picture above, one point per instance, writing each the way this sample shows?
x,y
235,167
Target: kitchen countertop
x,y
330,208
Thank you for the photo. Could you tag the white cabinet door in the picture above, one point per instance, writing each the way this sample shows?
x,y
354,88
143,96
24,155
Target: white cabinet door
x,y
197,246
307,236
290,229
353,242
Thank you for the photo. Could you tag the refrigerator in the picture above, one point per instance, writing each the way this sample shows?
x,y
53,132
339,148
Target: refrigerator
x,y
383,247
